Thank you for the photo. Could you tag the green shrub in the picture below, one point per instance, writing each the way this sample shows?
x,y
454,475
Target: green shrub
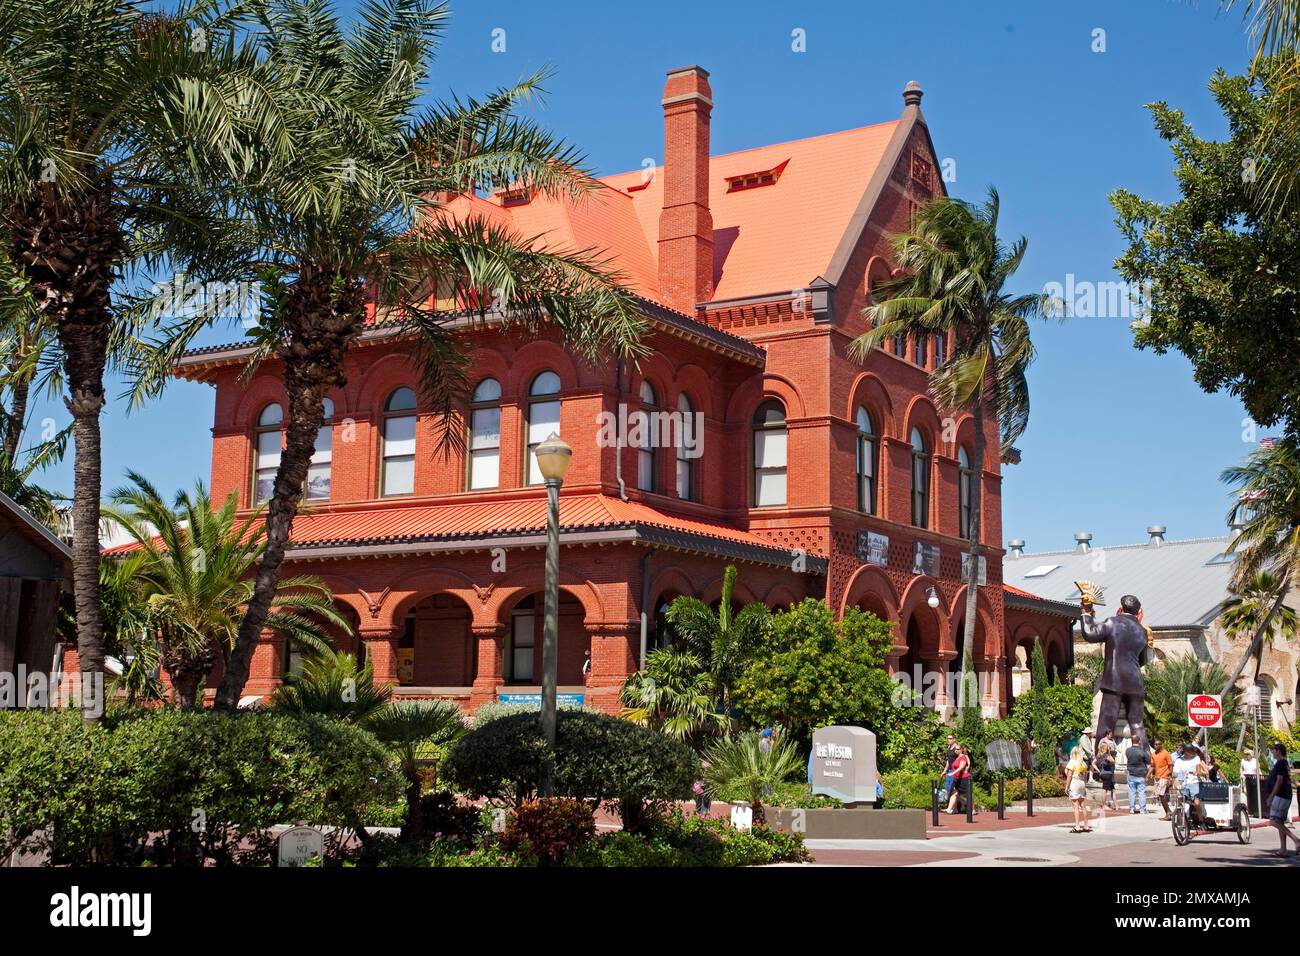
x,y
549,830
1045,785
183,787
597,757
679,840
442,815
911,791
909,740
496,709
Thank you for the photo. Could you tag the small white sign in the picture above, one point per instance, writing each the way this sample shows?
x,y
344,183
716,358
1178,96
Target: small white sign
x,y
742,818
297,845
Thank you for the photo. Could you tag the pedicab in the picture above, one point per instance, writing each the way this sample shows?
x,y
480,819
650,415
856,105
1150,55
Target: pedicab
x,y
1222,809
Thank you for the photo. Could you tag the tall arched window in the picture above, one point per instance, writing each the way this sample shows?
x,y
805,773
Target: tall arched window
x,y
900,345
543,419
318,473
965,486
522,644
920,480
918,348
485,435
689,444
769,454
266,452
940,348
397,474
647,458
868,461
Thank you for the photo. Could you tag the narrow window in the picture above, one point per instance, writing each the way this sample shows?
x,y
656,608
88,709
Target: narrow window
x,y
318,473
920,480
965,486
647,460
543,419
918,348
867,463
485,435
688,445
940,348
522,643
769,454
266,452
397,474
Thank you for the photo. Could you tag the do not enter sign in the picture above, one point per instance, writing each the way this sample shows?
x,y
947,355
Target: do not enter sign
x,y
1204,710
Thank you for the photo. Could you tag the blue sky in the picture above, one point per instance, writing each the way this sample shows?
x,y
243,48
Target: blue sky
x,y
1014,93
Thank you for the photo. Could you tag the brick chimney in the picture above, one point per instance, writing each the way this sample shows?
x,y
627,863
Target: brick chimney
x,y
686,225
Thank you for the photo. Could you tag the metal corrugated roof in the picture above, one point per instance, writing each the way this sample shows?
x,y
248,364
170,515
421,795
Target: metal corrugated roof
x,y
1179,583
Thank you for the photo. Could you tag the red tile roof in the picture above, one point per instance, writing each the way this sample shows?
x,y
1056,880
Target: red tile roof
x,y
1019,593
478,520
766,239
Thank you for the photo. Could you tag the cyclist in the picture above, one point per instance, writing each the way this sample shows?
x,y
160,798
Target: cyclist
x,y
1188,770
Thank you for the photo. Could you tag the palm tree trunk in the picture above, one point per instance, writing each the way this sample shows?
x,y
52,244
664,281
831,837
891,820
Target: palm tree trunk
x,y
322,317
17,414
972,586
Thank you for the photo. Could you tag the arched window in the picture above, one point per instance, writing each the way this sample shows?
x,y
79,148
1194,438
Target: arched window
x,y
397,475
965,486
647,459
868,463
918,348
769,454
266,452
318,473
523,643
920,480
940,348
543,419
900,345
485,435
689,445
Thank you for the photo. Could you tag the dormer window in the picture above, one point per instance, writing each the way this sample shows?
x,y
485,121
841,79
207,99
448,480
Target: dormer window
x,y
516,197
765,177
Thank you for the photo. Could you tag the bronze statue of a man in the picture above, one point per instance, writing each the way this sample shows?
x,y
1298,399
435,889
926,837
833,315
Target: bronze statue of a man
x,y
1126,651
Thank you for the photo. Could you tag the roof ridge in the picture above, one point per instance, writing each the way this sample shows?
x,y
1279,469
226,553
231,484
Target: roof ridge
x,y
1120,547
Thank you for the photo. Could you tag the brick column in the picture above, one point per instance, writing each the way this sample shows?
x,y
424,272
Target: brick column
x,y
265,671
988,673
943,703
490,640
381,651
614,646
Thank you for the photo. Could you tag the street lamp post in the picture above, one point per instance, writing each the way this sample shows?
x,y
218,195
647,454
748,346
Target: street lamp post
x,y
553,458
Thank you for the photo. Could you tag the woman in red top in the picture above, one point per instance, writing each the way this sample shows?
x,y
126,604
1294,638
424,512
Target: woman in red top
x,y
960,773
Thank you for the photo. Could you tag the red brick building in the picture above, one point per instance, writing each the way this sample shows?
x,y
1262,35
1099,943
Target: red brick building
x,y
816,474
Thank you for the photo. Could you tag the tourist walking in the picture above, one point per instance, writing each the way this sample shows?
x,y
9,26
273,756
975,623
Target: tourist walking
x,y
1138,759
949,756
1162,764
1076,785
961,778
1278,789
1249,770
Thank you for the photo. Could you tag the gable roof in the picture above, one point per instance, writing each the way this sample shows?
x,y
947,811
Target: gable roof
x,y
1180,583
766,239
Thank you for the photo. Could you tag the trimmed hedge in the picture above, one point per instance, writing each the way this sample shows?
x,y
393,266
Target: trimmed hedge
x,y
597,757
182,787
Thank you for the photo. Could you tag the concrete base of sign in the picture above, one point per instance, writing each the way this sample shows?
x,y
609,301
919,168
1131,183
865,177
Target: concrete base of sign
x,y
846,824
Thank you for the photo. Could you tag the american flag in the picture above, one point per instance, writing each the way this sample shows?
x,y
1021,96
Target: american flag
x,y
1266,443
1252,495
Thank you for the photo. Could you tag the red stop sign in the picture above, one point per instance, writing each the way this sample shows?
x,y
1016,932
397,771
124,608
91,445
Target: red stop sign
x,y
1204,710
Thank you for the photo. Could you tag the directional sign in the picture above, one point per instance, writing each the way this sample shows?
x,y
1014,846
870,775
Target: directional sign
x,y
1204,710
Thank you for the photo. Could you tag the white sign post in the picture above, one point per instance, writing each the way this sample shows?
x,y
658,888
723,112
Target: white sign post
x,y
297,845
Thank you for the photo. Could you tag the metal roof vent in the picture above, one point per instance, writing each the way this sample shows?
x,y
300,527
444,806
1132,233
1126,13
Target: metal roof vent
x,y
1017,546
1157,532
1083,541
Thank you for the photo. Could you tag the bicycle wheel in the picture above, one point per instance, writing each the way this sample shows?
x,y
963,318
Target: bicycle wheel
x,y
1241,822
1182,832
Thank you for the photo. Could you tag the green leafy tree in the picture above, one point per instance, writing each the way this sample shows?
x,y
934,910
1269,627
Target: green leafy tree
x,y
1219,271
813,670
724,640
194,581
955,274
673,694
1167,685
107,112
743,764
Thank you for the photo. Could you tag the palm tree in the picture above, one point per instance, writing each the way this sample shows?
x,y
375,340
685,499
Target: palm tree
x,y
955,274
673,694
743,765
349,218
409,726
723,640
332,684
194,581
1244,612
107,109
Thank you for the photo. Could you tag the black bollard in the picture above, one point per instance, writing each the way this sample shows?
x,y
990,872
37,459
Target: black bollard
x,y
970,799
1002,804
934,802
1029,795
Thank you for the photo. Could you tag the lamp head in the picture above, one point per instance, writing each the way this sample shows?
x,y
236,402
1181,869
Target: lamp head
x,y
933,599
553,457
